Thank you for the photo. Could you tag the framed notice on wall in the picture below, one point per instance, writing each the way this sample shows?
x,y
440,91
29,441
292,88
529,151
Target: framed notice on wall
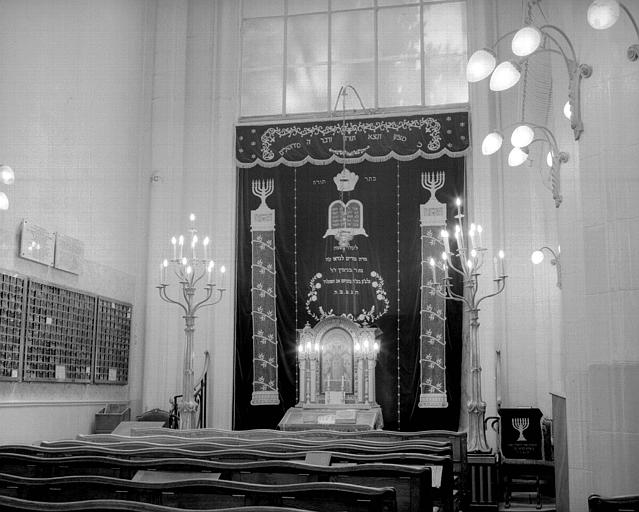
x,y
68,254
37,244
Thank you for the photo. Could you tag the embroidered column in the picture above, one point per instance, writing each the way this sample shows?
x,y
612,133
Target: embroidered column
x,y
433,308
263,310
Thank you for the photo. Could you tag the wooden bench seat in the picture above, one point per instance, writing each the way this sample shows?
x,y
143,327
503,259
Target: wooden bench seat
x,y
413,483
455,441
11,504
441,466
202,493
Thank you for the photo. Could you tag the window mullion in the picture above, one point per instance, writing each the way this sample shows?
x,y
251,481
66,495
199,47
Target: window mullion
x,y
376,55
422,59
285,58
329,57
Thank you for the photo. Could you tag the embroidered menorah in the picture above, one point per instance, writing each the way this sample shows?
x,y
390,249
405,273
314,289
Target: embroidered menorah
x,y
263,188
433,181
520,424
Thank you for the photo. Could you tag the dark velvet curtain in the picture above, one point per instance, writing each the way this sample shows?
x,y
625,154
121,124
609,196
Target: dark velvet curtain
x,y
376,278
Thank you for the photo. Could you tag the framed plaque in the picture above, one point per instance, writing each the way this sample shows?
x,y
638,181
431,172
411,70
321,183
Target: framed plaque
x,y
68,254
37,244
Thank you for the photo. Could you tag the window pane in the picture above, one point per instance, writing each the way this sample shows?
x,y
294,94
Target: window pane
x,y
262,43
261,93
399,62
353,54
307,58
445,53
303,6
340,5
396,2
306,89
307,40
262,67
352,37
361,77
257,8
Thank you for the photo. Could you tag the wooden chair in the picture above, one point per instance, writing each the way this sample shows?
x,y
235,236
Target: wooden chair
x,y
522,457
627,503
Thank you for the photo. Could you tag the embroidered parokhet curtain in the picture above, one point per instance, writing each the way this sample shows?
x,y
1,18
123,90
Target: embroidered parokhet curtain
x,y
347,237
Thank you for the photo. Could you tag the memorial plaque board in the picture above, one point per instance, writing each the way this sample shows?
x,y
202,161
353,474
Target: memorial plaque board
x,y
37,244
69,253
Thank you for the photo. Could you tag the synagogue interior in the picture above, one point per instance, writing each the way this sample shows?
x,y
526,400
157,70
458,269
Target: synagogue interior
x,y
413,220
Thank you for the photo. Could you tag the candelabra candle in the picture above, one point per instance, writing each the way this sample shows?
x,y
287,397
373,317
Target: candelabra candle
x,y
191,296
467,264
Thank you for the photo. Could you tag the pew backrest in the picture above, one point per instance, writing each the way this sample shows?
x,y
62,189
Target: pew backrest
x,y
12,504
200,493
413,483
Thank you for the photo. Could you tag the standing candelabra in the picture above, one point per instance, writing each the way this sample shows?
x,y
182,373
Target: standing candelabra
x,y
190,271
470,259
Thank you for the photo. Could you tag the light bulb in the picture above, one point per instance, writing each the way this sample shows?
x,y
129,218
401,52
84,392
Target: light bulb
x,y
505,76
522,136
480,65
205,241
567,110
222,269
537,257
549,159
192,217
603,14
4,201
189,269
6,175
526,41
517,156
491,143
432,262
375,346
165,263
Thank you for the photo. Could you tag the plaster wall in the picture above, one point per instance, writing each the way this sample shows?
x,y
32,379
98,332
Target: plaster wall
x,y
75,101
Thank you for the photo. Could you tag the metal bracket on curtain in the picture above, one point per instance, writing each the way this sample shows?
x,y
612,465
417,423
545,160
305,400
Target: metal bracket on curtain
x,y
263,298
432,359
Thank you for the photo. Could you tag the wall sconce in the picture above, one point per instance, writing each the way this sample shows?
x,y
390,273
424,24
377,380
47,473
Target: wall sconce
x,y
7,177
526,42
522,137
603,14
538,256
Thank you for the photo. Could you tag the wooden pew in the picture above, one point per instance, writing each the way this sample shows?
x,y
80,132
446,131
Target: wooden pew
x,y
627,503
354,446
457,441
10,504
413,483
441,466
202,493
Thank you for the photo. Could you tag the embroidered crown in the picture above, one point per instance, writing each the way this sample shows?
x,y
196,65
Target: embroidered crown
x,y
346,180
